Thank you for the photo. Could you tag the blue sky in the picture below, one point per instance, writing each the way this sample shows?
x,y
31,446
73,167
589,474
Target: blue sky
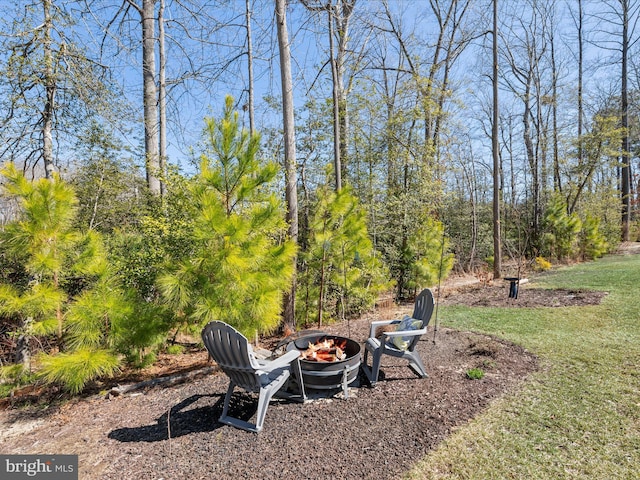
x,y
194,99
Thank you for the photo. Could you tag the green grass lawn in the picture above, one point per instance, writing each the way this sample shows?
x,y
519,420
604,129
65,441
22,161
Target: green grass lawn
x,y
579,416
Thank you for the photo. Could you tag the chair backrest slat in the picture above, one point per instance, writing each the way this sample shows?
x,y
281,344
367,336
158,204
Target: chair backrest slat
x,y
422,310
423,307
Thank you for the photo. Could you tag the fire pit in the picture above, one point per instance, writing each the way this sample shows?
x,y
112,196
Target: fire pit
x,y
328,361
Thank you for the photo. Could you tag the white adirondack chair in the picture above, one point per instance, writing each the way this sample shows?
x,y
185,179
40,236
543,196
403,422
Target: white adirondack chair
x,y
233,353
399,343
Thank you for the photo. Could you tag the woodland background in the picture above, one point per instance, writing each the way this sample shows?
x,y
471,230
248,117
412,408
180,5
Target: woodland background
x,y
283,164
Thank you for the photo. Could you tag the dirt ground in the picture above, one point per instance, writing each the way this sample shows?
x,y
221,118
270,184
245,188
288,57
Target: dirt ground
x,y
498,296
172,431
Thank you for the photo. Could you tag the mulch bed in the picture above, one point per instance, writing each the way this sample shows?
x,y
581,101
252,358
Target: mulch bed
x,y
376,433
171,431
528,297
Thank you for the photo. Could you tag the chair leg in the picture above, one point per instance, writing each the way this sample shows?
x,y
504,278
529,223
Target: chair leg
x,y
263,404
417,366
227,399
375,367
373,371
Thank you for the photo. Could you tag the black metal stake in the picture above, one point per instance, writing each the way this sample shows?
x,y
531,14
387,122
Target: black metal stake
x,y
513,286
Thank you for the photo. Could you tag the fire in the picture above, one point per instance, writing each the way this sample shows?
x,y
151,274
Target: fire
x,y
325,350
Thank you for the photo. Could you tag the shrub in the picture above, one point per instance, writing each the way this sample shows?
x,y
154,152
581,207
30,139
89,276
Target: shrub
x,y
593,243
542,264
75,368
175,349
475,373
72,295
561,230
430,259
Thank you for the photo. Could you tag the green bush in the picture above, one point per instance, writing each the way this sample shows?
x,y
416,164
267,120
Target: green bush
x,y
76,368
175,349
475,373
73,296
560,238
429,258
593,243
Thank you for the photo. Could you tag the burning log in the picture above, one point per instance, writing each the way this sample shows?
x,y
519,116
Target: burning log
x,y
325,350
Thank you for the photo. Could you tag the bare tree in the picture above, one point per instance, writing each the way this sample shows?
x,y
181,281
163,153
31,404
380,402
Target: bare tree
x,y
625,177
50,86
526,52
451,40
162,96
578,19
288,122
618,14
497,239
557,182
150,92
339,18
616,33
342,13
336,93
250,103
204,49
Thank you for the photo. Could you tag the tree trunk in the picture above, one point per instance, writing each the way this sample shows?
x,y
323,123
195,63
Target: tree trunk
x,y
512,177
625,187
150,96
322,285
23,354
531,157
497,239
557,183
50,88
250,106
580,84
337,163
431,123
162,98
339,16
346,10
59,316
291,189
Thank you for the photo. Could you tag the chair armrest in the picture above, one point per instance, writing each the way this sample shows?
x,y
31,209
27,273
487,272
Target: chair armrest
x,y
279,362
405,333
380,323
387,342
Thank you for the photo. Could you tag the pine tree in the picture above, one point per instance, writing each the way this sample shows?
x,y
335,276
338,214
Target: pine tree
x,y
429,258
343,273
70,293
593,243
561,230
240,264
43,239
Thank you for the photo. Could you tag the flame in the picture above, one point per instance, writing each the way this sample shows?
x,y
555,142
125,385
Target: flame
x,y
326,350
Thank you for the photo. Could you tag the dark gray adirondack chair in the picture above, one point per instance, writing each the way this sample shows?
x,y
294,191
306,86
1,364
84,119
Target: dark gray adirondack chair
x,y
385,344
233,353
